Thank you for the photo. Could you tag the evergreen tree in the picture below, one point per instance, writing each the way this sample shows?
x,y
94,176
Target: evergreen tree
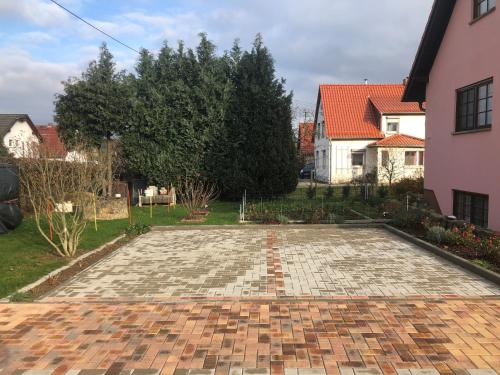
x,y
261,154
93,108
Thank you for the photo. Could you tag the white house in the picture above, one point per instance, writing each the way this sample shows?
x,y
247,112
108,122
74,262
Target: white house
x,y
360,129
17,132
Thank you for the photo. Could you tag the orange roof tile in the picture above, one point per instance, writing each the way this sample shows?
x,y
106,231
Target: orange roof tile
x,y
348,112
51,139
387,105
306,136
399,140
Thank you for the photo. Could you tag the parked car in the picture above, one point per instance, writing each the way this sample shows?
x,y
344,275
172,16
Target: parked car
x,y
307,171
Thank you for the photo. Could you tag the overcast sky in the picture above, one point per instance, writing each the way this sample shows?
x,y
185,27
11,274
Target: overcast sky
x,y
312,41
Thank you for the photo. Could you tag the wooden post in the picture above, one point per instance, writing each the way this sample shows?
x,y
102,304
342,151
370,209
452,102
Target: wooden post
x,y
95,213
49,216
151,207
129,207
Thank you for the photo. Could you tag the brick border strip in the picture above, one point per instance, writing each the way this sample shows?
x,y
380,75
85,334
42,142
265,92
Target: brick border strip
x,y
464,263
55,272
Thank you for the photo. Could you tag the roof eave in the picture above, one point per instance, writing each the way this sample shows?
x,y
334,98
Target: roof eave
x,y
430,43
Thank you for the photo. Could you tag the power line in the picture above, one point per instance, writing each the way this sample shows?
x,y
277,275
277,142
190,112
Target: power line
x,y
94,27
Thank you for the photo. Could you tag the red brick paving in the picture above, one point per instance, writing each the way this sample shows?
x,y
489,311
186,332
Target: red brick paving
x,y
386,334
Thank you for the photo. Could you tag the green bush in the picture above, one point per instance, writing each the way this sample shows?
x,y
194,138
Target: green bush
x,y
438,235
311,192
346,190
282,219
382,192
136,229
412,218
408,185
328,194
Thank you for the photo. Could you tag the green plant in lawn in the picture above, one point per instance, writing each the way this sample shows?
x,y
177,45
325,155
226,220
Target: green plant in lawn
x,y
136,229
282,219
328,194
21,297
339,219
485,264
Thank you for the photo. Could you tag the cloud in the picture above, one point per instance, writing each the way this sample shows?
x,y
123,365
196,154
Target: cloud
x,y
34,11
28,86
312,42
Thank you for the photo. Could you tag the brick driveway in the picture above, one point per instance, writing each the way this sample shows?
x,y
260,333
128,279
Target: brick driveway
x,y
254,261
254,301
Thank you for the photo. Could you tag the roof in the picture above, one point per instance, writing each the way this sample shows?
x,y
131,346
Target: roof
x,y
8,120
399,140
306,137
51,139
392,105
349,113
427,51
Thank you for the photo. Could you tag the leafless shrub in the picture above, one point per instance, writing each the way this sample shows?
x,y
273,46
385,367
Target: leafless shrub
x,y
196,193
58,192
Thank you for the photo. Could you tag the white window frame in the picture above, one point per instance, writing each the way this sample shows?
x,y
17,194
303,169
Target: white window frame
x,y
391,121
362,153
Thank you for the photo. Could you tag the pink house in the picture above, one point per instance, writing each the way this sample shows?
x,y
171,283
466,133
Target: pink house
x,y
456,74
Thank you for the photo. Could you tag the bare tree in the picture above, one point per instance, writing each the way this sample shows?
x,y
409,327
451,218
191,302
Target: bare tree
x,y
195,193
391,166
59,191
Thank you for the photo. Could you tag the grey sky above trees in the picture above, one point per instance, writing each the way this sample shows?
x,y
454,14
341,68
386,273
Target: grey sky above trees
x,y
313,42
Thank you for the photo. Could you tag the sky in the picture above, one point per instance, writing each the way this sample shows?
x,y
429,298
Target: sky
x,y
312,41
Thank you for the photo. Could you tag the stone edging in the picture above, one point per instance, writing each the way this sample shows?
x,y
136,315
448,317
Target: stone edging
x,y
60,269
464,263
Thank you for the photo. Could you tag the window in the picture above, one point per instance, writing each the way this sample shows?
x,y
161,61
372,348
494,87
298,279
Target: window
x,y
410,157
316,161
413,158
357,159
324,159
323,129
471,207
475,107
392,125
481,7
421,158
385,158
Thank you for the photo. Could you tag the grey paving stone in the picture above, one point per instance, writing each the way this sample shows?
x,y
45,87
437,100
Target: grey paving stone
x,y
403,371
256,371
291,371
236,371
234,263
37,372
201,371
346,371
424,371
482,371
367,371
311,371
146,372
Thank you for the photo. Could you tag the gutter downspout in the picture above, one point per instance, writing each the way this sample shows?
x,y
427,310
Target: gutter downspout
x,y
330,164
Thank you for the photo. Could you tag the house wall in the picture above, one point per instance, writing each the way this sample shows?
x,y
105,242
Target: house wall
x,y
341,161
469,53
413,125
321,144
22,136
400,170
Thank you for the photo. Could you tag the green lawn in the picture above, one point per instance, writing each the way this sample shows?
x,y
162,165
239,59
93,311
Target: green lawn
x,y
25,256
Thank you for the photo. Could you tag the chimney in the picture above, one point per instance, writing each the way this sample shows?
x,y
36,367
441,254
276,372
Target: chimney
x,y
366,81
405,81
